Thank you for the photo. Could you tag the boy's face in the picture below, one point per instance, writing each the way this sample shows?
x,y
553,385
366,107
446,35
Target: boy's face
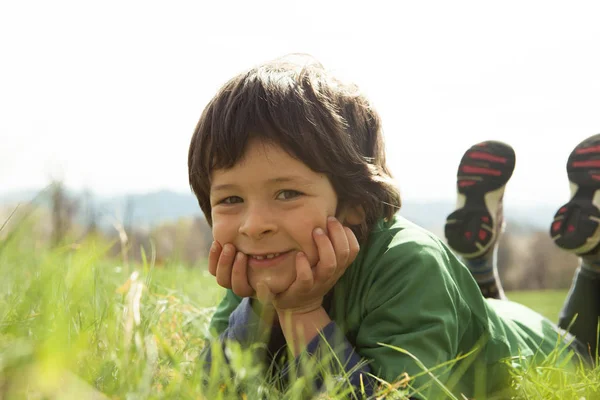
x,y
268,205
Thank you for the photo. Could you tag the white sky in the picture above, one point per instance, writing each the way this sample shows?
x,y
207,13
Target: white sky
x,y
106,94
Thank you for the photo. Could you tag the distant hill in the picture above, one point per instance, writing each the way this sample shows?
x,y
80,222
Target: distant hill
x,y
520,219
149,209
18,196
152,208
141,210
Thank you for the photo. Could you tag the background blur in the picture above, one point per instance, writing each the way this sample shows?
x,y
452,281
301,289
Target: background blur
x,y
98,102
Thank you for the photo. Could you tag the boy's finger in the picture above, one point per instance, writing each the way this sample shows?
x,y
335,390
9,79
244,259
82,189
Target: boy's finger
x,y
213,257
225,265
353,244
338,238
327,259
353,249
304,274
239,276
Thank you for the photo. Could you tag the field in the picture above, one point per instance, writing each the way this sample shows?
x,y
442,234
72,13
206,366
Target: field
x,y
74,324
546,302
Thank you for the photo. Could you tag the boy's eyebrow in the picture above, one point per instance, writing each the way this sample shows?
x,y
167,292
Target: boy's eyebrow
x,y
282,179
291,179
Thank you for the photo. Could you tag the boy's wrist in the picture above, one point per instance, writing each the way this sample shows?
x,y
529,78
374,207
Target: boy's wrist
x,y
301,326
299,311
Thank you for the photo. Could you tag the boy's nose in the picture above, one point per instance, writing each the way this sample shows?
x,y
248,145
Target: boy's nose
x,y
257,224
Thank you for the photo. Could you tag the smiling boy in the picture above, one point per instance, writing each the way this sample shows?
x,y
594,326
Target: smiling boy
x,y
272,211
289,168
267,207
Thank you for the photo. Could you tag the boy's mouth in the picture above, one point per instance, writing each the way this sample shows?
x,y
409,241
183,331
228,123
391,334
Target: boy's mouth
x,y
265,260
262,257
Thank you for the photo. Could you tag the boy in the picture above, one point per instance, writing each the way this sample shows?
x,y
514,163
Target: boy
x,y
288,166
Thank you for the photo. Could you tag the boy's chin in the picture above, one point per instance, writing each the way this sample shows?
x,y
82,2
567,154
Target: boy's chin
x,y
277,283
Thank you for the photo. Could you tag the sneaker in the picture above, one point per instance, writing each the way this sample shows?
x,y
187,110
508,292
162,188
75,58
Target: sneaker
x,y
474,227
576,225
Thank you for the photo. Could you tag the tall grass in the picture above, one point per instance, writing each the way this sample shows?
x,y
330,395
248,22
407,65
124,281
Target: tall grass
x,y
75,324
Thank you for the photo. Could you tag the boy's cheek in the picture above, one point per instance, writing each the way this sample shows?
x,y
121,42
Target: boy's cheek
x,y
220,232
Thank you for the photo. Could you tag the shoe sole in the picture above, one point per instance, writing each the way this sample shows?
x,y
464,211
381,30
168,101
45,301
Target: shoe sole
x,y
471,230
576,225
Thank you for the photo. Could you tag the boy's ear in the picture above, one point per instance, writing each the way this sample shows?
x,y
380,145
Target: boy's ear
x,y
352,215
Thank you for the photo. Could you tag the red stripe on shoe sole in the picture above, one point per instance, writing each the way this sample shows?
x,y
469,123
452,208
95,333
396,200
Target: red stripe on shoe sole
x,y
465,183
586,150
478,155
468,169
482,235
587,163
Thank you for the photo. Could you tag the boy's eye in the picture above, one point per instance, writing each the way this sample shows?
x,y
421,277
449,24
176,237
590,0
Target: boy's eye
x,y
288,194
231,200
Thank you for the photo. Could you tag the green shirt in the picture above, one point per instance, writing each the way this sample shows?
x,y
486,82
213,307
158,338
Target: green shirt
x,y
407,289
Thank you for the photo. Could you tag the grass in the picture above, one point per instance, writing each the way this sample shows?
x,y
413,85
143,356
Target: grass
x,y
75,324
546,302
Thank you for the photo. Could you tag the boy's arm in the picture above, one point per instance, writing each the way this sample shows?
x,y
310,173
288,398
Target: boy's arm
x,y
220,319
415,314
227,323
243,326
328,347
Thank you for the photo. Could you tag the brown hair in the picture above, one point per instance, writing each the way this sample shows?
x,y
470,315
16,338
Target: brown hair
x,y
325,123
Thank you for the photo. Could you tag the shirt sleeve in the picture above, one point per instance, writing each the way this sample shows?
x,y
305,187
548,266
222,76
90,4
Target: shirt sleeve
x,y
220,319
413,304
243,327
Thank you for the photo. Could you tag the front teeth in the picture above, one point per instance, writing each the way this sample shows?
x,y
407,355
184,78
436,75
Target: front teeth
x,y
268,256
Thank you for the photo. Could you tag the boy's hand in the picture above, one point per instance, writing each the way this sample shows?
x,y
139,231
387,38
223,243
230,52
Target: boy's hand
x,y
229,268
336,252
